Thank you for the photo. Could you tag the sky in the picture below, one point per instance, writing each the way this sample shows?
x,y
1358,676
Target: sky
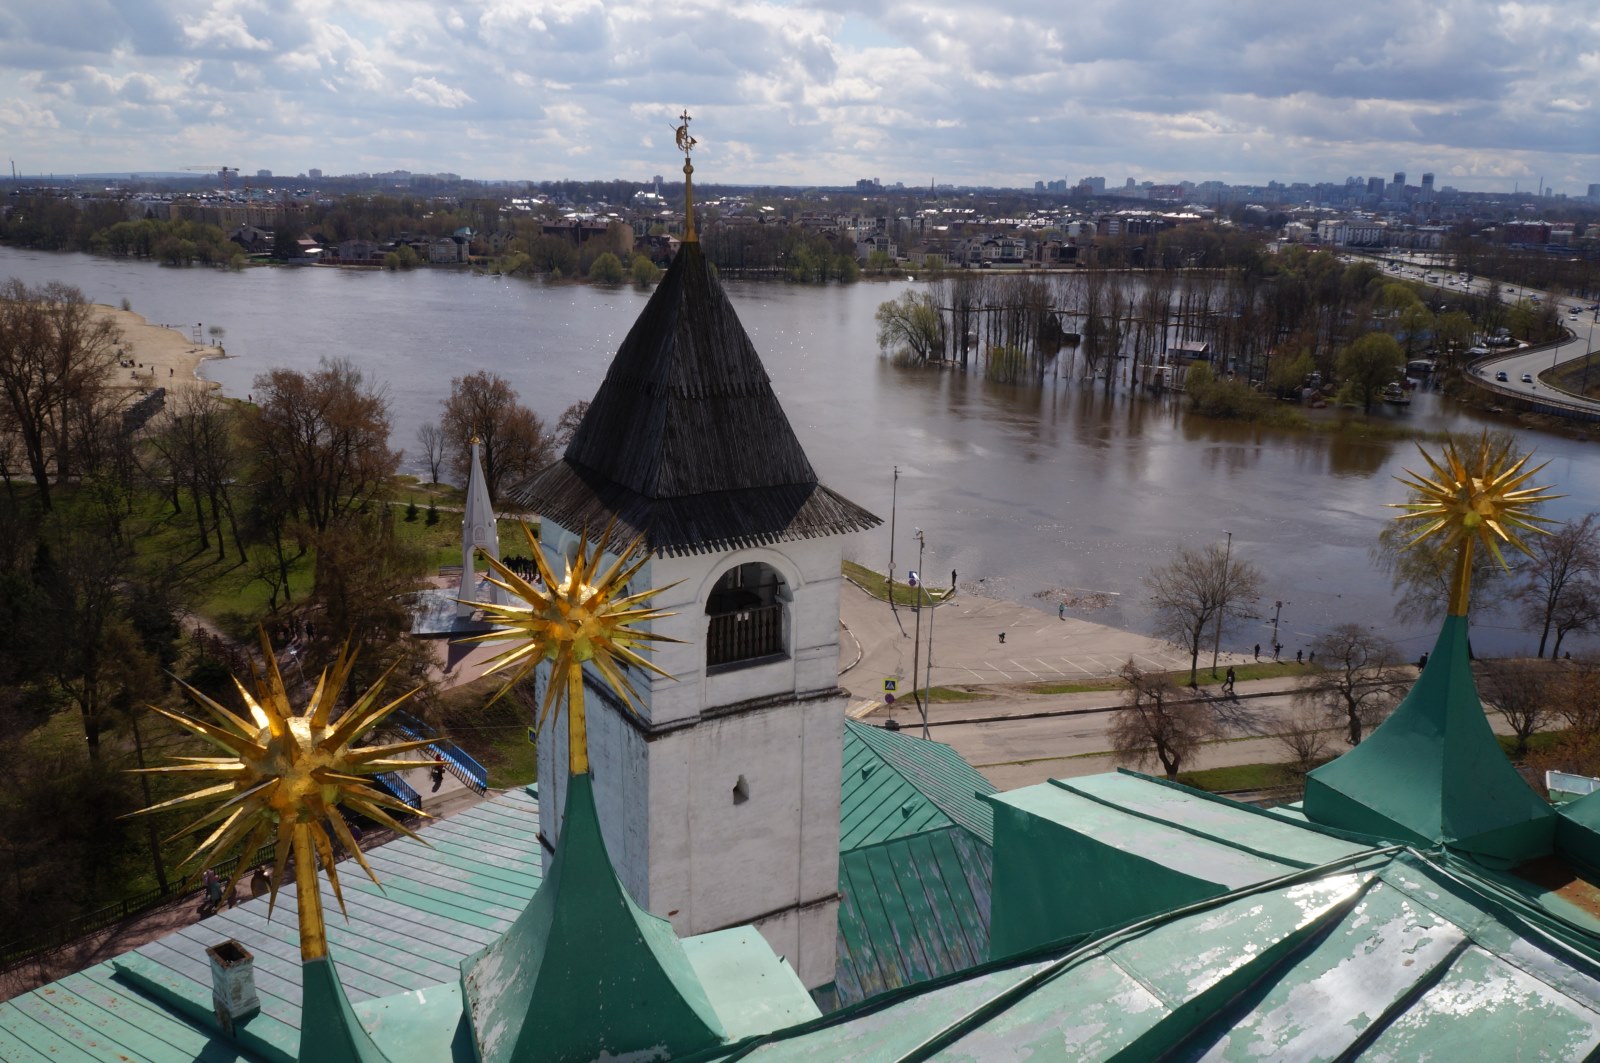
x,y
1486,96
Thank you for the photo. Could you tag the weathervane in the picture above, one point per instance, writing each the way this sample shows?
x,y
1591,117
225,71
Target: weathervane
x,y
686,145
285,774
1474,499
588,616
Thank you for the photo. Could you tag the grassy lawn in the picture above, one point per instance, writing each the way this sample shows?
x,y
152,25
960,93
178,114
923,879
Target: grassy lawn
x,y
875,584
1242,672
497,735
952,694
1239,777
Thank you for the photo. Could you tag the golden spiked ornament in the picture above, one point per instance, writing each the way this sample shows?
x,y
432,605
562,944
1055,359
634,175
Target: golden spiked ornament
x,y
284,774
588,616
1471,499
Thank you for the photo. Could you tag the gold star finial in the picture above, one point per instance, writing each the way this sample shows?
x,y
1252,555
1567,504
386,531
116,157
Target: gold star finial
x,y
588,616
1472,499
686,145
283,775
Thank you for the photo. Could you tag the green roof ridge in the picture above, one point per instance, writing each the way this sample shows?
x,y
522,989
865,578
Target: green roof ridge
x,y
1434,774
584,972
934,770
329,1029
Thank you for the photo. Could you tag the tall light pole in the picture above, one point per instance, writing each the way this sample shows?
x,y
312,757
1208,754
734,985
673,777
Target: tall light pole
x,y
1277,610
894,497
1216,640
927,685
916,638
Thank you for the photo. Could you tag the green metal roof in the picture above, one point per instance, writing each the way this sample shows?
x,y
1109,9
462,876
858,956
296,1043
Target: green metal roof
x,y
437,905
583,950
1433,772
895,785
1124,846
1384,956
914,865
911,909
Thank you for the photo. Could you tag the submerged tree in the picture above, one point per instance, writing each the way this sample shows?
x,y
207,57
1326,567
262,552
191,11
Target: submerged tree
x,y
910,328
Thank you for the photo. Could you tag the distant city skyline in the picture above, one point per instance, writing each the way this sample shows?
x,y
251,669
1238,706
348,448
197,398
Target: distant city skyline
x,y
1486,96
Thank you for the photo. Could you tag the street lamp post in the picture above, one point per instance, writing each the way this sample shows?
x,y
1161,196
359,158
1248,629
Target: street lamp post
x,y
1277,611
894,497
927,684
1216,640
916,638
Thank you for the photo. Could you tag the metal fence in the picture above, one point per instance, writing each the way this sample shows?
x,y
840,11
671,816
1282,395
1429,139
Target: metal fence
x,y
398,788
47,940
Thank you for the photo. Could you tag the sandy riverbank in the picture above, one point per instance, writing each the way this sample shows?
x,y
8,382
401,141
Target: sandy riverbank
x,y
157,355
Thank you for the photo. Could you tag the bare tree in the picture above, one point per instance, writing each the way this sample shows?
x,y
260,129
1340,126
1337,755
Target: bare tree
x,y
1578,609
1354,679
1197,589
1158,722
515,444
570,419
55,351
1563,562
1520,692
432,440
1305,740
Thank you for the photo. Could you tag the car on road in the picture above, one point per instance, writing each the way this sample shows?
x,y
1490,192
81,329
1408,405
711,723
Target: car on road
x,y
1527,378
1501,376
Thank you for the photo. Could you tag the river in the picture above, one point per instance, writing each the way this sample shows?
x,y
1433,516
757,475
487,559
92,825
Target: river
x,y
1019,489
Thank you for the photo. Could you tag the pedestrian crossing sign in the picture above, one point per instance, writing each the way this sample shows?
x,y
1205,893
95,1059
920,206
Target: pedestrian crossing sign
x,y
890,685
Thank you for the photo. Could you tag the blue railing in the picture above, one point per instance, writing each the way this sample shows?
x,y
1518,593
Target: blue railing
x,y
456,760
398,788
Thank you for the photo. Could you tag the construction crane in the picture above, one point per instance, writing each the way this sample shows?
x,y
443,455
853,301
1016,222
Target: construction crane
x,y
224,172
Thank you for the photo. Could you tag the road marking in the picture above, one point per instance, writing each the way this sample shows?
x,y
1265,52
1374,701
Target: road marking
x,y
1025,668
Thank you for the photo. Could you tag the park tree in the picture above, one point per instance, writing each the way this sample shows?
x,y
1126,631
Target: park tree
x,y
514,442
1353,678
431,438
1198,590
910,328
55,354
1366,365
606,269
1563,577
567,424
1157,721
322,438
196,439
1520,692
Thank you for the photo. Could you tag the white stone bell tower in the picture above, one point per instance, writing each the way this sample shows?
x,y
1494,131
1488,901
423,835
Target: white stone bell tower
x,y
719,802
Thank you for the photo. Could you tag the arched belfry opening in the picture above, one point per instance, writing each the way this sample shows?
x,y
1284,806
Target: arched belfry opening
x,y
746,617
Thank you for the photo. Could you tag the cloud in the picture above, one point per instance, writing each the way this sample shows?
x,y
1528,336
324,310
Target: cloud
x,y
807,91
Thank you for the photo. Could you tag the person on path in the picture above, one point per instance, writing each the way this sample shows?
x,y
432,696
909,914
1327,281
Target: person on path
x,y
213,883
437,771
952,579
1227,682
1002,638
1258,651
1299,656
1061,611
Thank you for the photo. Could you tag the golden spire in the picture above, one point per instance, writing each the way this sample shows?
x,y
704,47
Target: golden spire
x,y
285,775
1474,499
588,616
686,144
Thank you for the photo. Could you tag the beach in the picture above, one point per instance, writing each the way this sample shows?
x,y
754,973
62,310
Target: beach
x,y
156,355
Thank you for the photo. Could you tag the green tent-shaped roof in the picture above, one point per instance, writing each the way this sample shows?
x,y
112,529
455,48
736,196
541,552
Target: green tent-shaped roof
x,y
585,973
685,442
329,1029
1434,773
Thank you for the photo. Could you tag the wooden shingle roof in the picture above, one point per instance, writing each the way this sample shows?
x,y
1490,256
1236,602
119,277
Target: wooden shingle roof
x,y
685,443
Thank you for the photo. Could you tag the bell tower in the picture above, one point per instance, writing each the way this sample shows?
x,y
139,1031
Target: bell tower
x,y
719,802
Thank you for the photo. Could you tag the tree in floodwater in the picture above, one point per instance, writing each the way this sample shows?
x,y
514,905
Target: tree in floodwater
x,y
1366,366
910,328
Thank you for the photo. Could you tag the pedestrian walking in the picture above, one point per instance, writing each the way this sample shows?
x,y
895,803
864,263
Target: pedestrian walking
x,y
1299,656
1002,638
952,579
1258,651
1061,611
437,771
213,901
1227,681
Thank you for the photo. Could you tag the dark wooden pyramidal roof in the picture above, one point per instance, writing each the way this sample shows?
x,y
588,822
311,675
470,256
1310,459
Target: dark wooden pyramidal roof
x,y
685,442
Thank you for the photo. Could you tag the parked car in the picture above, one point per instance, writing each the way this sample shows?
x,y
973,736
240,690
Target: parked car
x,y
1501,376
